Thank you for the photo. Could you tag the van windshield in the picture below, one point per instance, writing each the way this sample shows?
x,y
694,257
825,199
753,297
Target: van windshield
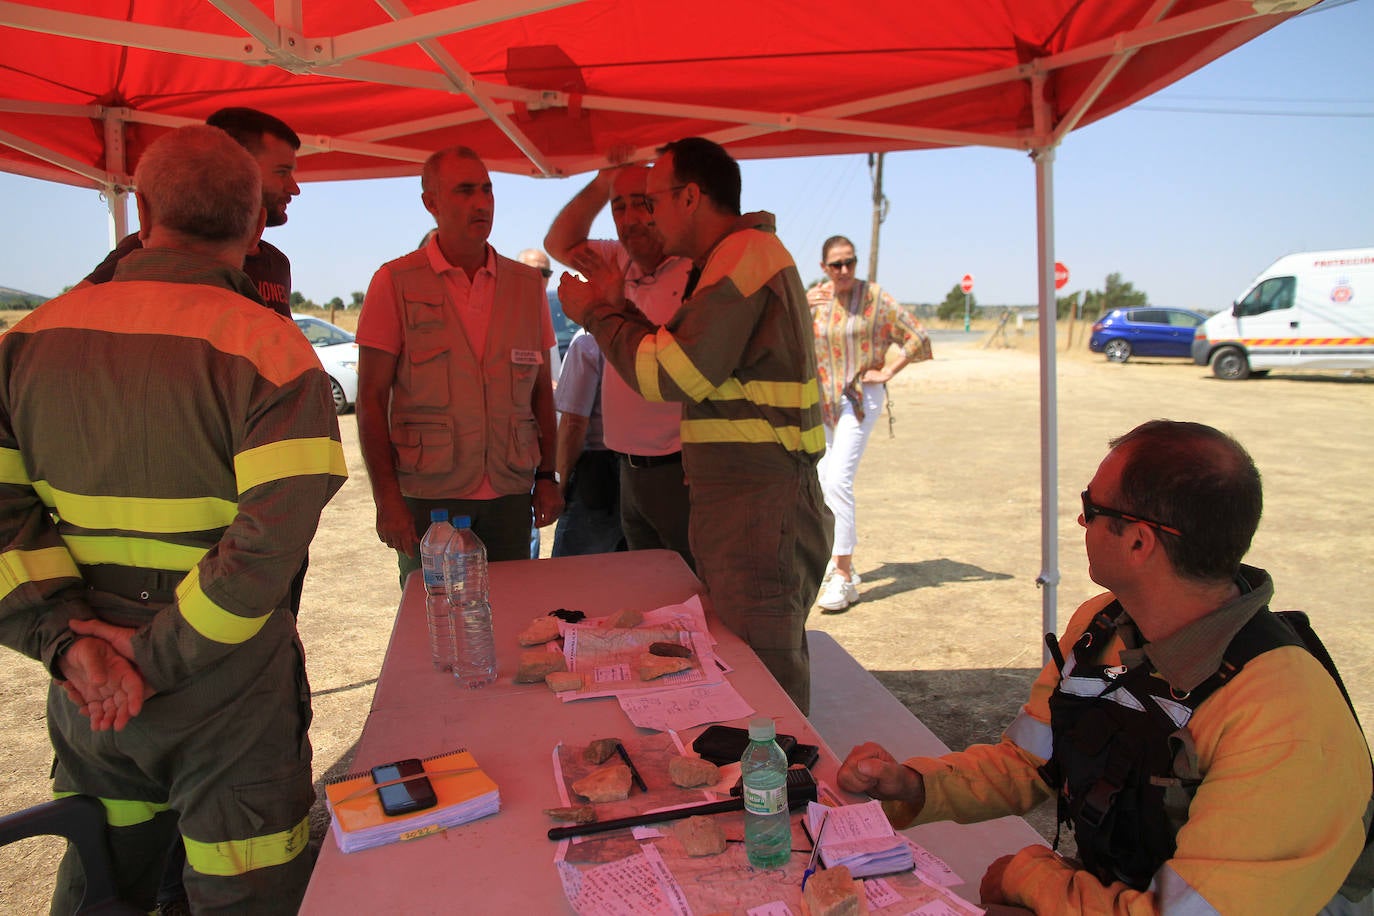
x,y
1271,295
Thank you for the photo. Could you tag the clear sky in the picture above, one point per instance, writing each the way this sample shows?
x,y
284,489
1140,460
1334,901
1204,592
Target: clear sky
x,y
1187,195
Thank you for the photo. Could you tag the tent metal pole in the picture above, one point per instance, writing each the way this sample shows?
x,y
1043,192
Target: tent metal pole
x,y
116,193
1048,579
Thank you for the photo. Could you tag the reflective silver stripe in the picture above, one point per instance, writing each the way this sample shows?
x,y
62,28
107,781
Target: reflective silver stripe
x,y
1091,687
1030,734
1178,713
1176,897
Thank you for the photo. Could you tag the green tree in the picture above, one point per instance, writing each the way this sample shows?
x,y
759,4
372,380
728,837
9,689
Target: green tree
x,y
953,306
335,303
1066,305
358,299
1121,295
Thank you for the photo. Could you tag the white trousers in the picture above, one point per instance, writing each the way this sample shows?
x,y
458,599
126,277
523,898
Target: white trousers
x,y
844,446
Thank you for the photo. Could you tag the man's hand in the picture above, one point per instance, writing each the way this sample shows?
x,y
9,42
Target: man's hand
x,y
548,502
604,284
396,526
870,769
102,682
991,889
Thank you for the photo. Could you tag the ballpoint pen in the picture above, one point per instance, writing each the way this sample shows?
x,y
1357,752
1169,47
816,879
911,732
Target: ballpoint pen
x,y
816,849
634,773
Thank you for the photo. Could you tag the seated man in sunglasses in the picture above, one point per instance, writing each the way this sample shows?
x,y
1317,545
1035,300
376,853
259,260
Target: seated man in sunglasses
x,y
1204,759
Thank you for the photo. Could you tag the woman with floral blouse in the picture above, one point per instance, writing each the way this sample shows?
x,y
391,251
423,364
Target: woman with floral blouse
x,y
855,324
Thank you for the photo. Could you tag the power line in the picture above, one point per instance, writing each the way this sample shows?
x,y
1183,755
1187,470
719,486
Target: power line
x,y
1235,111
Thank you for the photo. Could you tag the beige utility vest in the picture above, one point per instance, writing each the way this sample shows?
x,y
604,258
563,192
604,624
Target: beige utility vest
x,y
454,419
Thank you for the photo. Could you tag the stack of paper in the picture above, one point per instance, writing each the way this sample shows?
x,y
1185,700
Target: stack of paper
x,y
860,837
464,794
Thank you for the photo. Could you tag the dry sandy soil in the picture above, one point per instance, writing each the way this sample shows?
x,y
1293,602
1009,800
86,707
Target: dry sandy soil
x,y
949,524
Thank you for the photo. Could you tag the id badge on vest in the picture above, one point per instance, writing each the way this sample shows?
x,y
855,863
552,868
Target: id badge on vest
x,y
526,357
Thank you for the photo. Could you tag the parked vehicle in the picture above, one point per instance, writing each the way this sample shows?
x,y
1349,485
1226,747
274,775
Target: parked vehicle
x,y
563,326
1312,310
1145,331
338,353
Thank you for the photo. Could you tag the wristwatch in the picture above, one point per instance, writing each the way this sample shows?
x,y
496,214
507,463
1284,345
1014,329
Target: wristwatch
x,y
546,475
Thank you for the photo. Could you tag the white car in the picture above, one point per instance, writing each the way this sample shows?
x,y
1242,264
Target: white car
x,y
338,353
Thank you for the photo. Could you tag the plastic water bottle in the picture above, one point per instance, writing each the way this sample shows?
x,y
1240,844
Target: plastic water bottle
x,y
466,561
767,821
438,614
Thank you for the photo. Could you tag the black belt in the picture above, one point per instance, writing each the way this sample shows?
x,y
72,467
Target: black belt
x,y
148,585
641,462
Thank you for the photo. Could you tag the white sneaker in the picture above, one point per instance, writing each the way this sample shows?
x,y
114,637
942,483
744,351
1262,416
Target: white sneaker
x,y
838,593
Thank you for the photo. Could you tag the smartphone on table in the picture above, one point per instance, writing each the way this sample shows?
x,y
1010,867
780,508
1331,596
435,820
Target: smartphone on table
x,y
414,794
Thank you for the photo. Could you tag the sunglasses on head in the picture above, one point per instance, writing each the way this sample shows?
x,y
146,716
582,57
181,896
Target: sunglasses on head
x,y
842,264
1092,510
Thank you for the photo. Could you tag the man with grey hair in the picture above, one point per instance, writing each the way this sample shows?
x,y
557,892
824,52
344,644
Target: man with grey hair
x,y
455,395
166,447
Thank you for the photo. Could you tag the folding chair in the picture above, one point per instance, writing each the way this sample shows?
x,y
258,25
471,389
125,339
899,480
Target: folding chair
x,y
81,819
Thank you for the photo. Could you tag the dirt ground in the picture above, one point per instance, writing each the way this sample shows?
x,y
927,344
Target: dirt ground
x,y
949,552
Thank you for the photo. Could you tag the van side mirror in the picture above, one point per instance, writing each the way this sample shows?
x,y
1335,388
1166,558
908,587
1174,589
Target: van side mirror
x,y
1235,309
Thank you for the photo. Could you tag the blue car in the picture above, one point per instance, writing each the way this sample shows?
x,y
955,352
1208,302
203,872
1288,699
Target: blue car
x,y
1145,331
563,326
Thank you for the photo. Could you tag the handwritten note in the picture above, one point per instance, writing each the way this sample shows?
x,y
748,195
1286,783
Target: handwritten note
x,y
625,887
686,707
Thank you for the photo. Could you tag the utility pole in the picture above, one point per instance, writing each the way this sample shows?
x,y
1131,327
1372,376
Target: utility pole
x,y
879,212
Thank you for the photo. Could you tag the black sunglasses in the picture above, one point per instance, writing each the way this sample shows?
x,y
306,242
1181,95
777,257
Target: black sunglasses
x,y
546,271
841,265
1092,510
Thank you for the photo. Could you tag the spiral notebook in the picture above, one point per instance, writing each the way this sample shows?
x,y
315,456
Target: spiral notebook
x,y
464,792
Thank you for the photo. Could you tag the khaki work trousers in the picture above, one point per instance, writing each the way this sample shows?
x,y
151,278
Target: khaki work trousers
x,y
761,537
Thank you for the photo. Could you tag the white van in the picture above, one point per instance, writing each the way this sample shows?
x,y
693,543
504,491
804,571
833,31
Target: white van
x,y
1313,310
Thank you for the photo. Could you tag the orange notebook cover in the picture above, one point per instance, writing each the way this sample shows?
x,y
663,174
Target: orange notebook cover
x,y
464,792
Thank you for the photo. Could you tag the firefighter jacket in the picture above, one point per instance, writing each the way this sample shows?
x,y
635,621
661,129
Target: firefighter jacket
x,y
170,475
1275,824
738,355
454,419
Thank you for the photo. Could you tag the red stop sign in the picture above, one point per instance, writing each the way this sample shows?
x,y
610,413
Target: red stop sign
x,y
966,284
1061,275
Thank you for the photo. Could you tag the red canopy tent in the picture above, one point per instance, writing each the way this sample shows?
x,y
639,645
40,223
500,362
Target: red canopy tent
x,y
549,86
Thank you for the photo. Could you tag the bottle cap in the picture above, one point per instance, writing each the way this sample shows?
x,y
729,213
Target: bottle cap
x,y
438,515
462,521
762,730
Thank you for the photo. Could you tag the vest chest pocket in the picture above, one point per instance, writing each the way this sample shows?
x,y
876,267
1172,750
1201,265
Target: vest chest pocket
x,y
426,379
423,447
522,378
422,315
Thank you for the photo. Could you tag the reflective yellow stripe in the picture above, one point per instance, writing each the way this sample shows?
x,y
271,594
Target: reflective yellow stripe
x,y
209,619
12,468
237,857
288,458
139,513
646,367
121,812
145,553
681,369
794,395
753,431
44,492
749,259
20,566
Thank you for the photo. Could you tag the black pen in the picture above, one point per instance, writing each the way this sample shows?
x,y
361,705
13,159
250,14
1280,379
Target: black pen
x,y
634,774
